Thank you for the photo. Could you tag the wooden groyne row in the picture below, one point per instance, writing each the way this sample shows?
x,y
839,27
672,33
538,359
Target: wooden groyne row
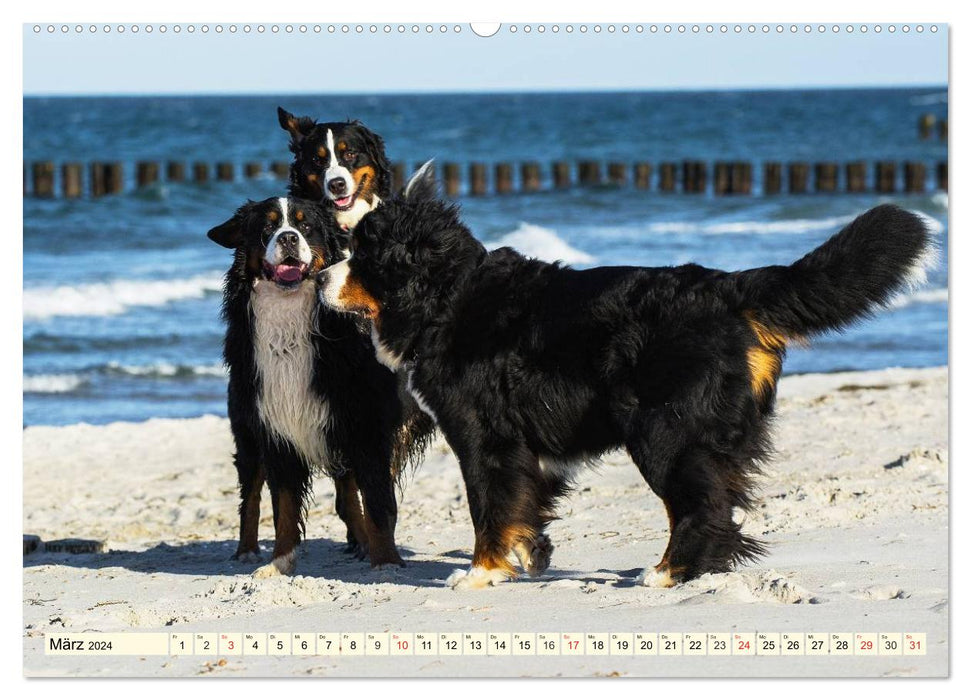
x,y
478,179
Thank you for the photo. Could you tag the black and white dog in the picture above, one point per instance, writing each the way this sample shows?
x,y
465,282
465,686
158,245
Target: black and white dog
x,y
342,164
306,393
533,369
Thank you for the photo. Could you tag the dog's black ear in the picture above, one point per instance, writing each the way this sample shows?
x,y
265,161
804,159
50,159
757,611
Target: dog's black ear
x,y
298,127
229,234
422,185
374,146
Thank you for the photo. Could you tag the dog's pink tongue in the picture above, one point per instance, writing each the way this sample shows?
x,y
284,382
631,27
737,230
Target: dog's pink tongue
x,y
287,273
343,201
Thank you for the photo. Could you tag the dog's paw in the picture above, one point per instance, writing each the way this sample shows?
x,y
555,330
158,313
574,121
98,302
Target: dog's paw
x,y
356,549
655,578
281,566
252,557
475,577
534,556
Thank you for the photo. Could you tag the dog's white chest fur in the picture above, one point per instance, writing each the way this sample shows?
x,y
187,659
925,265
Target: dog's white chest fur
x,y
284,357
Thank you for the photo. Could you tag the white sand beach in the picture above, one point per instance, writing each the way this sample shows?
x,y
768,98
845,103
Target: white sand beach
x,y
855,508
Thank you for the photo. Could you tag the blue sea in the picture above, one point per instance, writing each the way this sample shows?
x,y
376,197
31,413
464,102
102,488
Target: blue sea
x,y
122,294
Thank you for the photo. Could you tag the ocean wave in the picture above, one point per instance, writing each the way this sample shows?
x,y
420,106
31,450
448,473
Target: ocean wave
x,y
53,383
940,199
762,227
68,382
166,370
543,243
113,298
922,296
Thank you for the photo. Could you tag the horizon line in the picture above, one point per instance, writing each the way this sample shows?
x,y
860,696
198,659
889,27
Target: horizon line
x,y
499,91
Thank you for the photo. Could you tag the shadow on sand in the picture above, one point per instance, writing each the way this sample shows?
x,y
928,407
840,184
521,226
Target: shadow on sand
x,y
318,558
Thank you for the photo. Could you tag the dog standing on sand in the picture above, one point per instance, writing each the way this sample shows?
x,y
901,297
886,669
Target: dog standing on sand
x,y
532,370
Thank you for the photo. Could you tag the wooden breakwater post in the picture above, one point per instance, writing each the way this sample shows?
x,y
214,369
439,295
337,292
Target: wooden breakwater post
x,y
588,172
925,125
452,178
72,183
561,175
281,169
225,172
530,175
43,176
114,178
146,173
478,179
723,180
856,176
667,177
733,177
771,178
694,176
886,176
915,177
96,174
503,174
827,176
798,178
106,178
175,171
252,169
397,176
942,130
617,174
742,178
200,171
942,175
642,176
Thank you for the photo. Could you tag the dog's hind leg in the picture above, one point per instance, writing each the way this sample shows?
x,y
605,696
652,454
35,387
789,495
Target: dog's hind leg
x,y
372,472
698,495
351,512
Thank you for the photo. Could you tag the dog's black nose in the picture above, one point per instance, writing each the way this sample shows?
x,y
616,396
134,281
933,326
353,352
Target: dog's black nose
x,y
289,240
337,186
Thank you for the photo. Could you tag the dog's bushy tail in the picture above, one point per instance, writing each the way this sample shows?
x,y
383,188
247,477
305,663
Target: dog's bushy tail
x,y
859,270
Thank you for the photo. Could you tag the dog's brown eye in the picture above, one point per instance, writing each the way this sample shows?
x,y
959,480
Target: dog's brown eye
x,y
349,156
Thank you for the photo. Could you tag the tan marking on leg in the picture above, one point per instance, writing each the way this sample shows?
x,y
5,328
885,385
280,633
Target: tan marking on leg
x,y
352,513
286,519
249,520
381,546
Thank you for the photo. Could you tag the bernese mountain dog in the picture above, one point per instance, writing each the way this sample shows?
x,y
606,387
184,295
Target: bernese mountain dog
x,y
533,369
306,394
342,164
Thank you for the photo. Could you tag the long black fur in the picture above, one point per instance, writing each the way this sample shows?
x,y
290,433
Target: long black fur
x,y
528,364
368,436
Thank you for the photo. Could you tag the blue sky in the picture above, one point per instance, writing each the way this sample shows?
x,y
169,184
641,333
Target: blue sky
x,y
350,63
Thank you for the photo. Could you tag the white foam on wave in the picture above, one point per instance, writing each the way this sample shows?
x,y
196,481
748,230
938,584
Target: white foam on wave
x,y
761,227
922,296
167,369
115,297
543,243
52,383
940,199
